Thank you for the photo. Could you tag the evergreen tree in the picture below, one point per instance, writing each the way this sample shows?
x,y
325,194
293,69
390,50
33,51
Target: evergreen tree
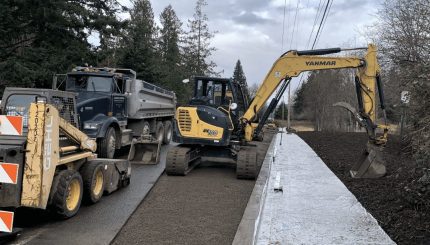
x,y
239,76
40,38
299,100
169,43
197,48
139,43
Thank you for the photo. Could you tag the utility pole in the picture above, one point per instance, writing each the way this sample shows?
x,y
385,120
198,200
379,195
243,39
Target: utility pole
x,y
283,107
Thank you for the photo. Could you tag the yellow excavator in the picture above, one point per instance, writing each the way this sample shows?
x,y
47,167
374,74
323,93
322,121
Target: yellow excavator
x,y
219,122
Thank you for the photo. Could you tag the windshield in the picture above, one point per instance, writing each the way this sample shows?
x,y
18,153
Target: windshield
x,y
89,83
218,93
18,105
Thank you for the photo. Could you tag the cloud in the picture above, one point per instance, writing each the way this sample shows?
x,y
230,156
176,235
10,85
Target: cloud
x,y
252,29
248,18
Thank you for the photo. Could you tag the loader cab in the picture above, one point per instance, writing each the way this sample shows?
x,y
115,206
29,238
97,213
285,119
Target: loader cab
x,y
16,102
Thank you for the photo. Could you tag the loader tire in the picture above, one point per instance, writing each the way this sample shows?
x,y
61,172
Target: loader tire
x,y
106,145
159,131
66,193
168,131
93,181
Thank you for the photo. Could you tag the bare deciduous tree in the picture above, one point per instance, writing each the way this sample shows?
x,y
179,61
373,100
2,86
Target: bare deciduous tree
x,y
321,90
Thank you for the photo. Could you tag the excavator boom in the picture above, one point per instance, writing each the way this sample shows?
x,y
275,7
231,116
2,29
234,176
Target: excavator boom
x,y
293,63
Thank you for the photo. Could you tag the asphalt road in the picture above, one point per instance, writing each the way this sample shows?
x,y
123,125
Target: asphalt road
x,y
204,207
94,224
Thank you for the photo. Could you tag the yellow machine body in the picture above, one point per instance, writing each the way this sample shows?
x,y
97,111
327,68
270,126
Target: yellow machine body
x,y
43,152
190,125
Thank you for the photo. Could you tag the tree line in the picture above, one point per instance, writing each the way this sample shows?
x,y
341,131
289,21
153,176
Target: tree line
x,y
41,38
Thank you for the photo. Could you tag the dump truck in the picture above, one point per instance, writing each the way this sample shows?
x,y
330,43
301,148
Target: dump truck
x,y
45,160
116,108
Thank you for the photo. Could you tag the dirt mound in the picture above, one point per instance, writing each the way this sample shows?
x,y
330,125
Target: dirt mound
x,y
401,206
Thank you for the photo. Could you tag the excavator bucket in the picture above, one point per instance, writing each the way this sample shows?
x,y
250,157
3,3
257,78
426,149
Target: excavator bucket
x,y
371,165
144,151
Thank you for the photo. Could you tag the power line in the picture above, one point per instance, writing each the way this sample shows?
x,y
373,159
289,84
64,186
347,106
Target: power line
x,y
319,11
315,23
283,26
322,20
323,25
294,25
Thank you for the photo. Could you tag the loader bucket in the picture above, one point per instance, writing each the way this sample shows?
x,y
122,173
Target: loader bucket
x,y
144,152
371,165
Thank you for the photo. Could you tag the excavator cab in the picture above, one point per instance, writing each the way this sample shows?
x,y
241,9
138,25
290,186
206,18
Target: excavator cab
x,y
223,94
212,91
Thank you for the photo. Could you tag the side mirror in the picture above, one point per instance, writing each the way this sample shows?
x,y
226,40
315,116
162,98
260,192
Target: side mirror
x,y
186,81
233,106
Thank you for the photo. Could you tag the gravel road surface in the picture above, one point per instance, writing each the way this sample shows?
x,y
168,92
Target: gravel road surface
x,y
204,207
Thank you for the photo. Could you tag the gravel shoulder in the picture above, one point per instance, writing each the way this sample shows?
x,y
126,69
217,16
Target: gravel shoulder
x,y
204,207
403,214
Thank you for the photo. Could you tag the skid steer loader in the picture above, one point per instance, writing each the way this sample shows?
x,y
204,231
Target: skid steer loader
x,y
49,163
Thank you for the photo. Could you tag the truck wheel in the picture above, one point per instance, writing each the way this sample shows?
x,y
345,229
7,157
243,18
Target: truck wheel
x,y
93,178
168,131
159,131
106,145
67,193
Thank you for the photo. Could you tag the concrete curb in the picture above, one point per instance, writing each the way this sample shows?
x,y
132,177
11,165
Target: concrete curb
x,y
248,227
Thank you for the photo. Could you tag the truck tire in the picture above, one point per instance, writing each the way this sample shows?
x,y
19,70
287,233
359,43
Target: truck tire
x,y
168,131
159,131
106,145
66,193
93,181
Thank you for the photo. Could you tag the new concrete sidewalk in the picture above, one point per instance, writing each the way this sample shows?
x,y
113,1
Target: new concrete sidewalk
x,y
314,207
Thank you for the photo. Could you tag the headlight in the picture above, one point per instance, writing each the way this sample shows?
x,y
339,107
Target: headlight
x,y
92,125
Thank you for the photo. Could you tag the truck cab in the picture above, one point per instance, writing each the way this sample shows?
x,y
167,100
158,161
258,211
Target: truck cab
x,y
114,107
99,96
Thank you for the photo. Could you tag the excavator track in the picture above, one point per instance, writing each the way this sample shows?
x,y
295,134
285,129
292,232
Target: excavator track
x,y
182,159
246,164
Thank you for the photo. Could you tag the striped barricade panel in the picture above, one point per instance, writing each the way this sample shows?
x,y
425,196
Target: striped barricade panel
x,y
11,125
9,175
6,221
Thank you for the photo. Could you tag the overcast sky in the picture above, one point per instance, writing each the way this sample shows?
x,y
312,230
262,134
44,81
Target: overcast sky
x,y
251,30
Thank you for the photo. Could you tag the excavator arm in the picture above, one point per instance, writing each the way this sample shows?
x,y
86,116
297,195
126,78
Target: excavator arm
x,y
293,63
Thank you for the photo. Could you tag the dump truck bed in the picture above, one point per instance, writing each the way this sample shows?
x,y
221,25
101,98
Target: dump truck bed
x,y
148,101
